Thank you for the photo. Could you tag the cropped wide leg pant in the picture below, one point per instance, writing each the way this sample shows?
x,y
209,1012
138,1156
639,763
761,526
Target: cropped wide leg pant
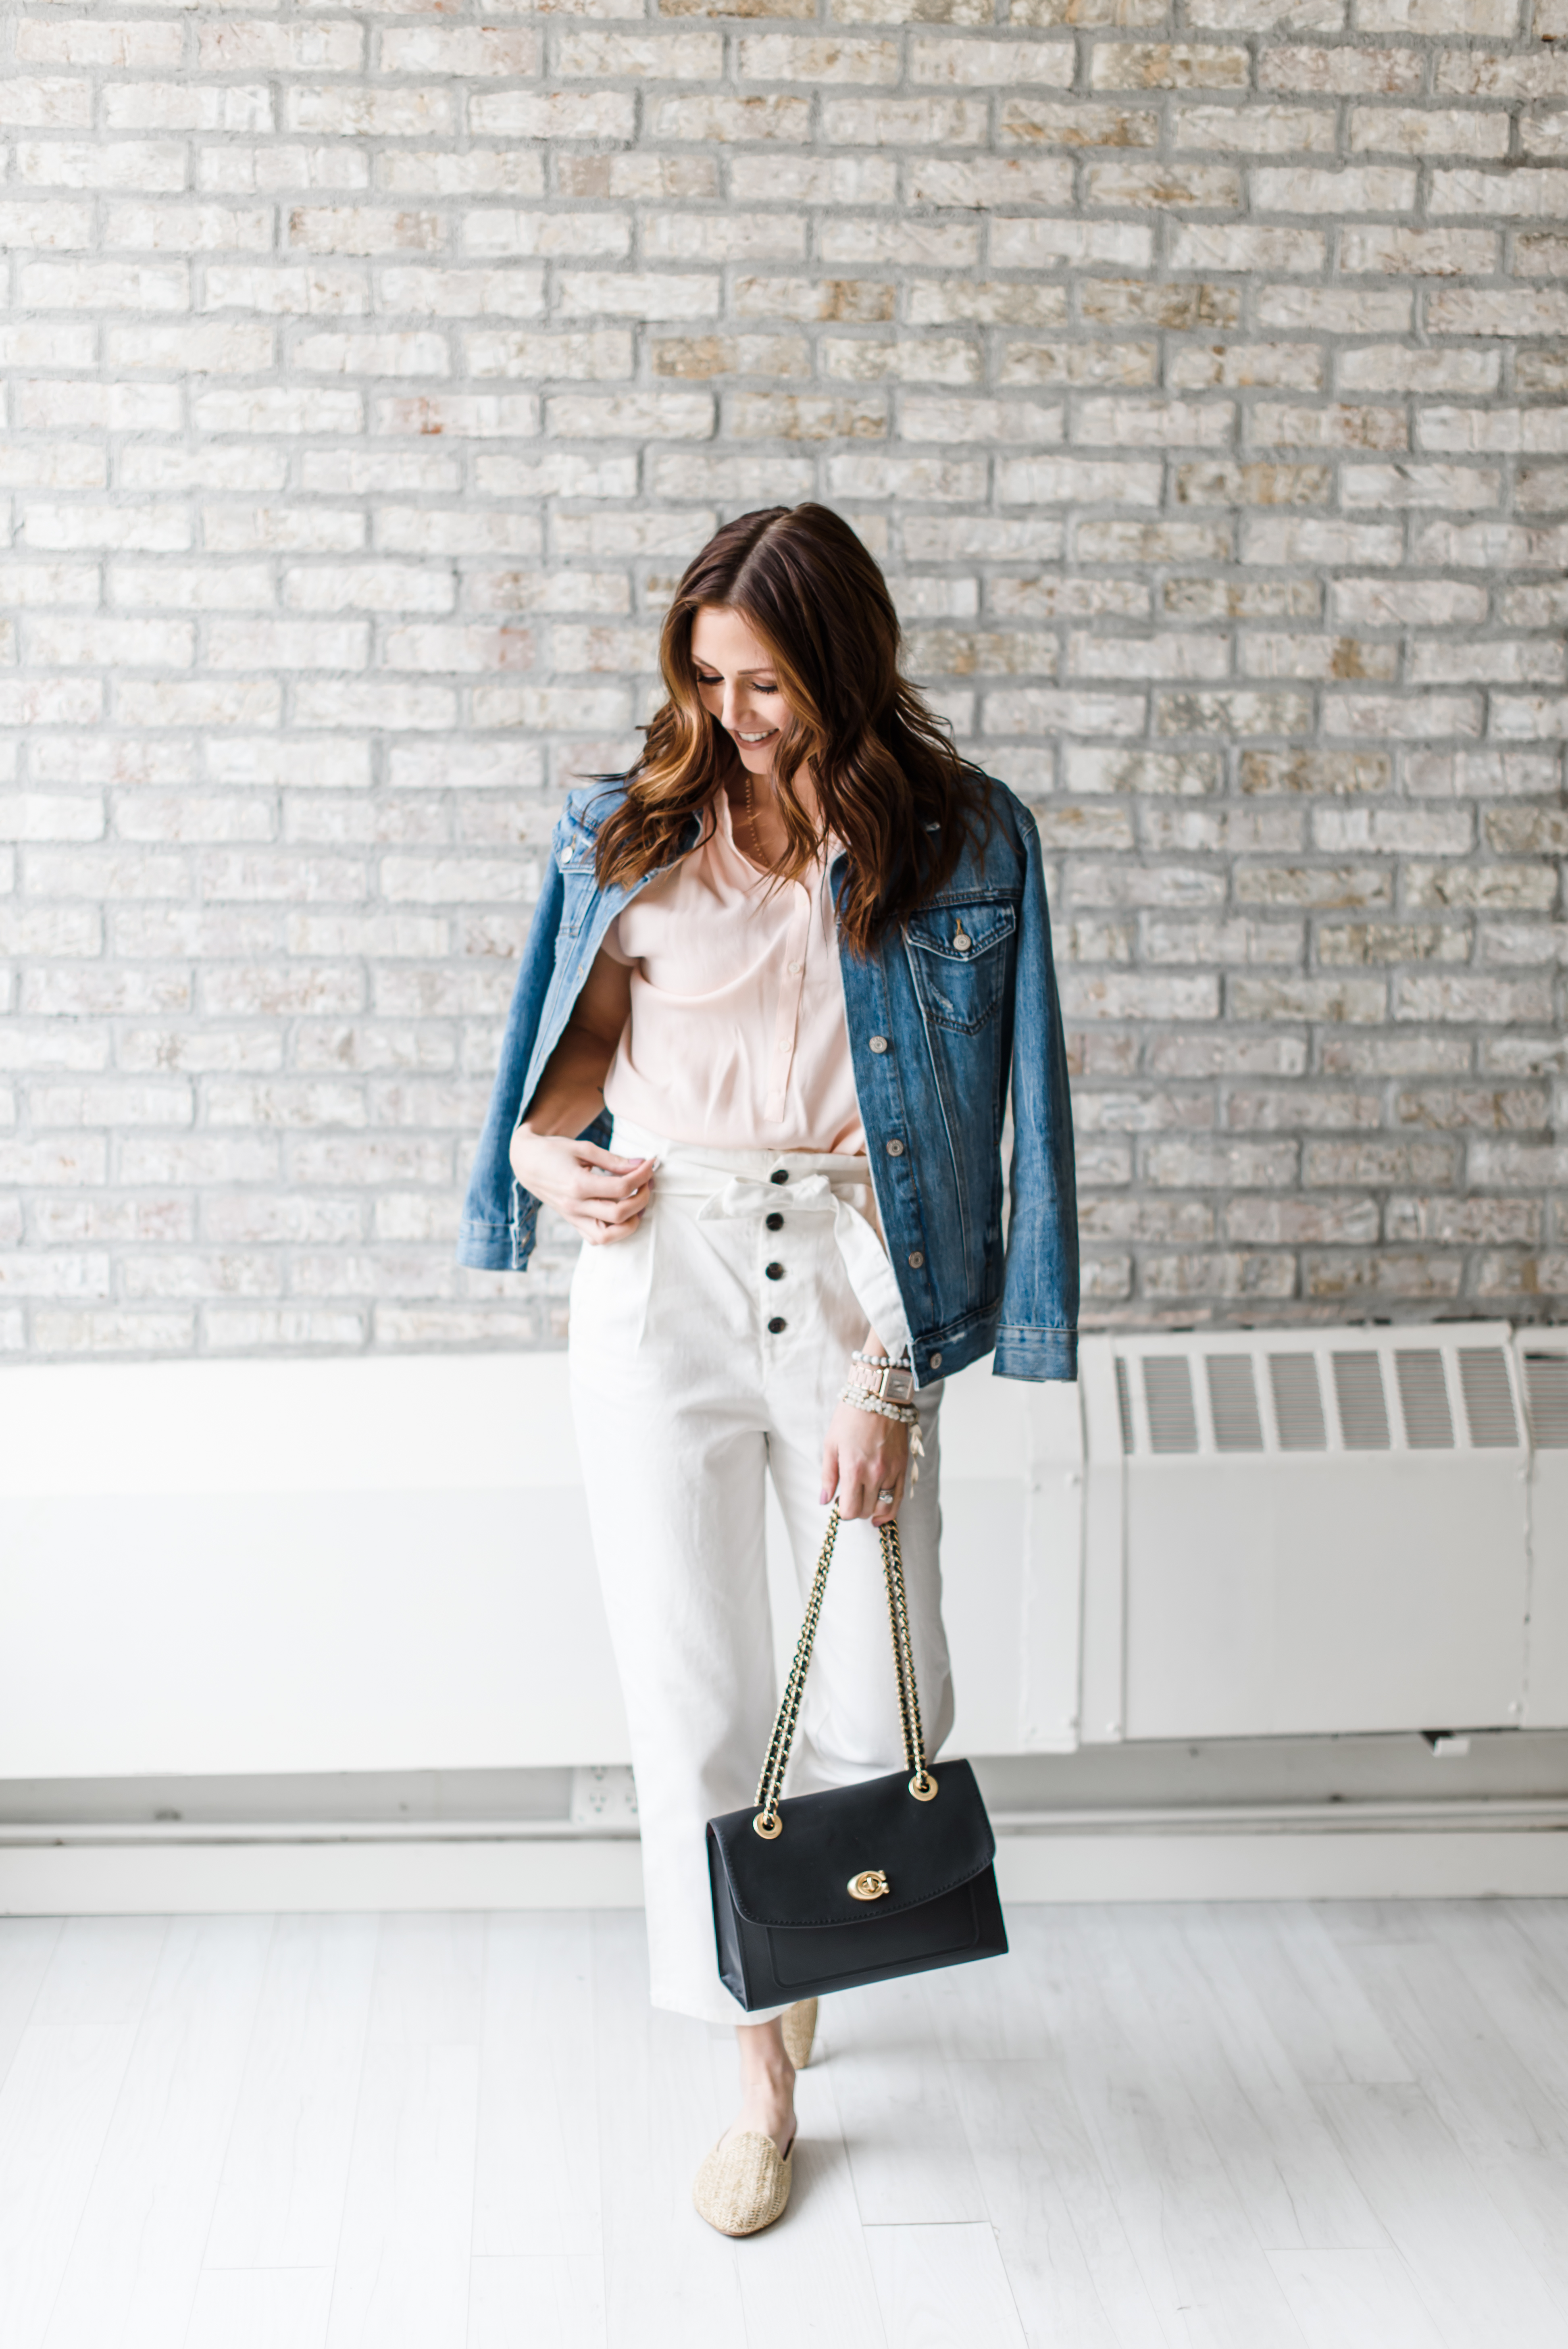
x,y
706,1351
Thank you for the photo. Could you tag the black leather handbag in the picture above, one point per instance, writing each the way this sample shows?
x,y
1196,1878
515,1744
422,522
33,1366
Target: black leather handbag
x,y
823,1892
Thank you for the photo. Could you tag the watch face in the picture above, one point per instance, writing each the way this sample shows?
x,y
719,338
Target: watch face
x,y
898,1386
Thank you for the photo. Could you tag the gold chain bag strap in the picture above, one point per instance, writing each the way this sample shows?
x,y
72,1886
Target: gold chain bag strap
x,y
922,1784
860,1883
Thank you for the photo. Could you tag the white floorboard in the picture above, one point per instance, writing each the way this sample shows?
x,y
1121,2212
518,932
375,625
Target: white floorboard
x,y
27,1948
56,2109
536,2301
1340,2297
536,2180
101,1970
280,2197
1341,2125
1190,2231
402,2255
813,2282
909,2156
1471,2269
261,2308
1060,2233
670,2282
1280,2157
1509,2126
945,2288
1523,1987
135,2259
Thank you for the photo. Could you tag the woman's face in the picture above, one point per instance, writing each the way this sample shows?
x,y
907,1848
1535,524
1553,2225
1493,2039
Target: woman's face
x,y
739,684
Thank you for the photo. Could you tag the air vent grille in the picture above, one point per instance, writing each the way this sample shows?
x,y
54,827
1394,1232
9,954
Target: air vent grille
x,y
1123,1404
1489,1398
1168,1392
1299,1404
1424,1399
1452,1397
1363,1414
1547,1378
1233,1400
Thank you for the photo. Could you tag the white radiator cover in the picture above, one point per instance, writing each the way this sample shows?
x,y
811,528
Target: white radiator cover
x,y
1296,1532
369,1565
1542,1356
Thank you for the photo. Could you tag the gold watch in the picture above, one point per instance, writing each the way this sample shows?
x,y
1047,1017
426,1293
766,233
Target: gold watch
x,y
889,1382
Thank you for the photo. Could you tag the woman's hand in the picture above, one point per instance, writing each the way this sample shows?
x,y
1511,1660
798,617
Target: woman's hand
x,y
599,1195
864,1455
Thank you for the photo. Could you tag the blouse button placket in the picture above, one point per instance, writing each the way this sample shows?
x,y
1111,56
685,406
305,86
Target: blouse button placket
x,y
791,988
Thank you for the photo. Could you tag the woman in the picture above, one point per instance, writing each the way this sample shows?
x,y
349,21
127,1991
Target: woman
x,y
779,980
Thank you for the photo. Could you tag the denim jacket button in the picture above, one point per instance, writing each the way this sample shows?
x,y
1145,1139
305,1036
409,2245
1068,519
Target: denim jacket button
x,y
878,1043
936,1361
895,1150
916,1259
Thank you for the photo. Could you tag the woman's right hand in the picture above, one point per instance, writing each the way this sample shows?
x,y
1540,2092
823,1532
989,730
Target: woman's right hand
x,y
599,1195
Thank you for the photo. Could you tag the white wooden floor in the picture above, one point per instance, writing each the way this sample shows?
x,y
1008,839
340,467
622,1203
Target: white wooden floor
x,y
1343,2126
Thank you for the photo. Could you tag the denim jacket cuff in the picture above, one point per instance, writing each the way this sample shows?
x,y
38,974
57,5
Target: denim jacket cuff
x,y
485,1247
1026,1353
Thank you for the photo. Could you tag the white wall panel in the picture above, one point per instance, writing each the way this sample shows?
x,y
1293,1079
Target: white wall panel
x,y
303,1631
367,1564
378,1564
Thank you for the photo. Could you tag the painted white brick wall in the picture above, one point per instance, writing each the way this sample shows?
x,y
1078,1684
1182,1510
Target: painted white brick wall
x,y
1199,374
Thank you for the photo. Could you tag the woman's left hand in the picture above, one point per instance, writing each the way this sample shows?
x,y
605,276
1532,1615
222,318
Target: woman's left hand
x,y
865,1454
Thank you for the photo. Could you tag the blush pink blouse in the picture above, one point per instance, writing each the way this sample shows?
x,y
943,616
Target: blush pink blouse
x,y
736,1035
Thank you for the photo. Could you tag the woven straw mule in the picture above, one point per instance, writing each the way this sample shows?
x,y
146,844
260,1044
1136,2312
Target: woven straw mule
x,y
800,2028
744,2183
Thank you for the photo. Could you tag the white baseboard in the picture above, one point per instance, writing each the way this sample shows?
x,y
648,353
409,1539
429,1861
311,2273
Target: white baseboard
x,y
1421,1865
599,1872
229,1878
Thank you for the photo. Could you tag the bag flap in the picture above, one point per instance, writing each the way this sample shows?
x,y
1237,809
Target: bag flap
x,y
802,1877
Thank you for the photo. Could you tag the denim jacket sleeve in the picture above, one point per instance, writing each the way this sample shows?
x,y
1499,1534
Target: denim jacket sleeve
x,y
1038,1337
496,1233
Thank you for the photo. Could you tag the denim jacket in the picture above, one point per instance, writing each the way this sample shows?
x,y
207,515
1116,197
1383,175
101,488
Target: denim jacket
x,y
941,1016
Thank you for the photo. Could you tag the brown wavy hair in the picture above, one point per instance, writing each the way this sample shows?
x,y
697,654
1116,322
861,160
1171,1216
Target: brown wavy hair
x,y
888,781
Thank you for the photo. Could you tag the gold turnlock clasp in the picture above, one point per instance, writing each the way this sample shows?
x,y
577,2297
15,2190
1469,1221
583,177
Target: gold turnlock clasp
x,y
767,1825
871,1884
923,1787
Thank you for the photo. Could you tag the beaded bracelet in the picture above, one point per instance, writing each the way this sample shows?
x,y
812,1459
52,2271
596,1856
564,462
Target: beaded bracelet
x,y
904,1413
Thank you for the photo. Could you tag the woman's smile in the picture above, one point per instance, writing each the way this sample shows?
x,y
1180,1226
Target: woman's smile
x,y
734,672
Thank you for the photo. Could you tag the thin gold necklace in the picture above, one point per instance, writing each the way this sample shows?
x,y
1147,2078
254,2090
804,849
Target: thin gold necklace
x,y
757,857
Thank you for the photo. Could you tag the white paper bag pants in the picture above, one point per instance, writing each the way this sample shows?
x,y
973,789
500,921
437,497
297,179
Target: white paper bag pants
x,y
704,1350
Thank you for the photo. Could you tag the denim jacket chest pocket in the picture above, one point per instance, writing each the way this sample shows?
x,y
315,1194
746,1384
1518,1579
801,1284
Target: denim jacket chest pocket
x,y
960,957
